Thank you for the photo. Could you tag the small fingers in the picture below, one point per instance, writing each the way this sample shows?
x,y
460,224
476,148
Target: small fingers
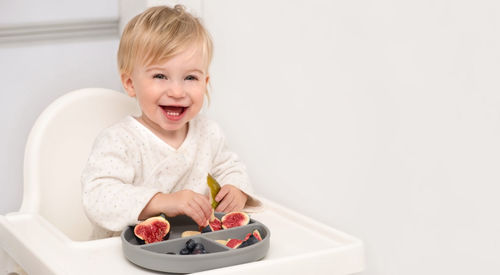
x,y
206,208
237,204
222,193
225,204
199,209
222,204
196,213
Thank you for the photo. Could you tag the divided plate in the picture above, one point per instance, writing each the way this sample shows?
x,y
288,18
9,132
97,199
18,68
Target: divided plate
x,y
154,256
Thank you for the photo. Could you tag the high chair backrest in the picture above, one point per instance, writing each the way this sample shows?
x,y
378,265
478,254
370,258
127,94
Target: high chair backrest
x,y
57,150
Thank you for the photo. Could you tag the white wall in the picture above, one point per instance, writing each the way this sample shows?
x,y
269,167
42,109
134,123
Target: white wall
x,y
32,11
379,118
34,73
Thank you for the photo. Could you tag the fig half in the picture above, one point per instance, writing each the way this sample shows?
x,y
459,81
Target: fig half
x,y
234,219
154,229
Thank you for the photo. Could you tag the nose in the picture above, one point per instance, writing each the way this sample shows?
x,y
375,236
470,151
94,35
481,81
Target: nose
x,y
176,90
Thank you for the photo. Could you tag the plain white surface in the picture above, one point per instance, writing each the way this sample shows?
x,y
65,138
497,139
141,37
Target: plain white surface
x,y
379,118
30,11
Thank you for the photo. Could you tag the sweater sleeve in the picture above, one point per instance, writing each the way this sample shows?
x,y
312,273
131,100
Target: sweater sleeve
x,y
227,168
110,198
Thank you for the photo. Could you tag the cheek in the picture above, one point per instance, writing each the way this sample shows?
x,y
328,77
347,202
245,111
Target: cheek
x,y
149,93
198,91
201,95
147,101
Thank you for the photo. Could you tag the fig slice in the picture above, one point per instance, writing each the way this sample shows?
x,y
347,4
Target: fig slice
x,y
154,229
215,223
234,219
234,243
255,233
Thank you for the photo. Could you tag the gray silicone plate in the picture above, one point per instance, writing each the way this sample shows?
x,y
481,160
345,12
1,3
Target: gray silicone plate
x,y
154,256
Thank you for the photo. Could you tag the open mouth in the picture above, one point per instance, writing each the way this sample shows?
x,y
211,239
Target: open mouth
x,y
173,112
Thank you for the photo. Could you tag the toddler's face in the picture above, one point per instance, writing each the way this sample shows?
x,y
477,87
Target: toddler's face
x,y
170,94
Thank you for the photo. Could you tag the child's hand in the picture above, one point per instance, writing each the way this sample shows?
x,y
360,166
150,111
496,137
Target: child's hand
x,y
192,204
230,199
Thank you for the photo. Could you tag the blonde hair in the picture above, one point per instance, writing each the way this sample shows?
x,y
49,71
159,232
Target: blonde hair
x,y
158,34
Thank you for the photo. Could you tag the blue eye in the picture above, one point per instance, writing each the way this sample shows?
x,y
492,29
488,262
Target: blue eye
x,y
160,76
191,77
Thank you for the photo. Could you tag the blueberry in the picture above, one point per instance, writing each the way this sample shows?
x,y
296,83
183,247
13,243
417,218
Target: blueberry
x,y
199,246
199,251
184,251
190,244
196,252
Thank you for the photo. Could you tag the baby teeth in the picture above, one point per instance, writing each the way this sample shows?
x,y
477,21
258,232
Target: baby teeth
x,y
173,114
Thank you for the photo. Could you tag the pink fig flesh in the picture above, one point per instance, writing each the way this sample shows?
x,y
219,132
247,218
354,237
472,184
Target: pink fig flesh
x,y
234,219
152,230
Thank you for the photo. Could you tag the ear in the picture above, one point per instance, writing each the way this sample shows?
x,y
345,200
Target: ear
x,y
207,83
128,84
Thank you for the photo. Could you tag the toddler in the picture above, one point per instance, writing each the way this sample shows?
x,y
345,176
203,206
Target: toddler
x,y
158,162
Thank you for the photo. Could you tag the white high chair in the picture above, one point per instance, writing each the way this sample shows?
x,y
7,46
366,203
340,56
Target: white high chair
x,y
49,234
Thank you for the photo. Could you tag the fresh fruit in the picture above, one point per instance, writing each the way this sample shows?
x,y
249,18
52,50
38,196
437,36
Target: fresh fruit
x,y
153,229
198,246
189,233
199,251
251,240
214,188
234,219
215,223
184,251
193,248
234,243
255,233
191,244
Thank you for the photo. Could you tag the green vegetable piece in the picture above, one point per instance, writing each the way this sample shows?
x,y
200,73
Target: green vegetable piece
x,y
214,188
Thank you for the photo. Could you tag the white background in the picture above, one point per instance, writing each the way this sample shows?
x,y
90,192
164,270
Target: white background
x,y
378,118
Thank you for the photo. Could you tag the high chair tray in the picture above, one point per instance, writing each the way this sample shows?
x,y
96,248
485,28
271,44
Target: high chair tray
x,y
299,245
165,255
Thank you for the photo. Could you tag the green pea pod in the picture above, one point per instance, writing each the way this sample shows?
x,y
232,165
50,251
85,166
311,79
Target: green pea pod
x,y
214,188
